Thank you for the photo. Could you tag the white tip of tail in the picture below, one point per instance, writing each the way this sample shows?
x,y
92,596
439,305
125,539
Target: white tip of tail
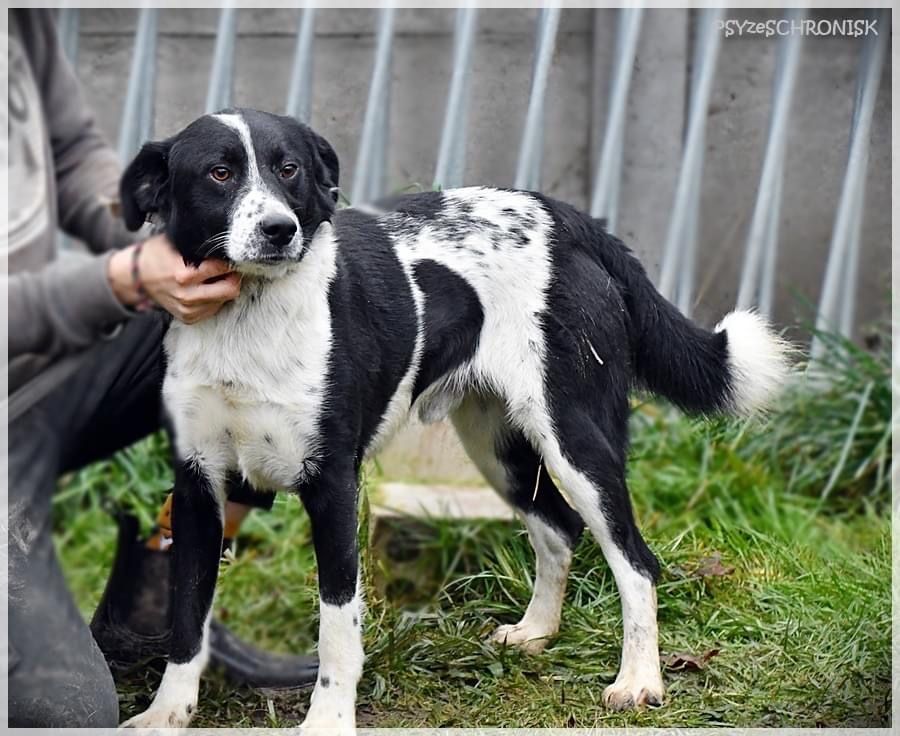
x,y
758,359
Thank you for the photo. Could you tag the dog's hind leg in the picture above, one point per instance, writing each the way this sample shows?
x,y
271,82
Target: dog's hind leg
x,y
585,449
197,545
516,472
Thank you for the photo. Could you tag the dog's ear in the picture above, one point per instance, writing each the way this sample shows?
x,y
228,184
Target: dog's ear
x,y
144,188
327,168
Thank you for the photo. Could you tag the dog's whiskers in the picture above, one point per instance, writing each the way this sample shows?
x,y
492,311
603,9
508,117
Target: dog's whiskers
x,y
214,241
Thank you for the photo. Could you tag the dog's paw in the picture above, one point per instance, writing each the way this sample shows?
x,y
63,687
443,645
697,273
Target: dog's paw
x,y
634,692
334,724
530,639
332,708
155,718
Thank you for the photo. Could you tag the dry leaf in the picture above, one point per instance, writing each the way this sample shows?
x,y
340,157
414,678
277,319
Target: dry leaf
x,y
684,662
712,567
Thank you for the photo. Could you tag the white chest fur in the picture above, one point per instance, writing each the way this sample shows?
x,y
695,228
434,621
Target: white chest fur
x,y
245,388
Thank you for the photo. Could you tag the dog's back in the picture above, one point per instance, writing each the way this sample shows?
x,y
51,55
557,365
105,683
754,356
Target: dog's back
x,y
532,271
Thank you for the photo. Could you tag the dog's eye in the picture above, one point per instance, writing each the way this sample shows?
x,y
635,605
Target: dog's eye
x,y
220,173
288,171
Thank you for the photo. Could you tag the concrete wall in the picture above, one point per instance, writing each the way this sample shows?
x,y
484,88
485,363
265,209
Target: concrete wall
x,y
578,89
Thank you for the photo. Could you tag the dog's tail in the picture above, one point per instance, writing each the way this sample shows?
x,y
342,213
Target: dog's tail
x,y
737,368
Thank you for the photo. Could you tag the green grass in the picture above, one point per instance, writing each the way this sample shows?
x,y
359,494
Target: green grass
x,y
801,625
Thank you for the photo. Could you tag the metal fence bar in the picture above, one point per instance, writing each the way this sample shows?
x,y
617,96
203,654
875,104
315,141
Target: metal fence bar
x,y
451,160
679,254
762,239
528,171
299,101
848,290
770,257
378,168
148,83
851,269
686,274
368,179
837,291
221,78
137,115
67,24
607,182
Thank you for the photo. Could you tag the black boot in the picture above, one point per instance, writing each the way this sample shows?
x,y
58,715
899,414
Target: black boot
x,y
132,622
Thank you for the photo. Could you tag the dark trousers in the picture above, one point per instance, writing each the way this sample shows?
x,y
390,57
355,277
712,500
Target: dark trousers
x,y
57,674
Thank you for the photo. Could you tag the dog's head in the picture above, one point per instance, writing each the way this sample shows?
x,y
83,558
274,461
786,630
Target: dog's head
x,y
246,186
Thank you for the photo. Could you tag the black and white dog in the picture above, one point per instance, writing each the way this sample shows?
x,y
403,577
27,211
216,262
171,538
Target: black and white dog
x,y
515,315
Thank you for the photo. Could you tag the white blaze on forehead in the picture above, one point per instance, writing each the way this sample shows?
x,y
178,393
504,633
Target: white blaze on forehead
x,y
255,201
239,126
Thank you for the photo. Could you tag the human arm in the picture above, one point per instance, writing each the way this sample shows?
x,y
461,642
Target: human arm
x,y
78,298
86,168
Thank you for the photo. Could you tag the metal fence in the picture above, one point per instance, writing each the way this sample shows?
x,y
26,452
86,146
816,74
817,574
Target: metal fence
x,y
679,265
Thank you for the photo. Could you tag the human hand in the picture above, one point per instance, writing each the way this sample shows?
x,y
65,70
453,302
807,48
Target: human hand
x,y
188,293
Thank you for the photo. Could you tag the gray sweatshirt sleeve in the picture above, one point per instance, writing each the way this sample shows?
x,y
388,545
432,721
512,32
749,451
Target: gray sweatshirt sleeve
x,y
67,304
64,307
87,168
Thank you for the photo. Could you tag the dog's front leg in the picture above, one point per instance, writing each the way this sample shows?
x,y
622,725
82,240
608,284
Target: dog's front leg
x,y
330,501
197,547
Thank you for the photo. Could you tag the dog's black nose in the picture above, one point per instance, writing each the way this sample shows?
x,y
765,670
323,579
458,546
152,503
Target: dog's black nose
x,y
278,229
